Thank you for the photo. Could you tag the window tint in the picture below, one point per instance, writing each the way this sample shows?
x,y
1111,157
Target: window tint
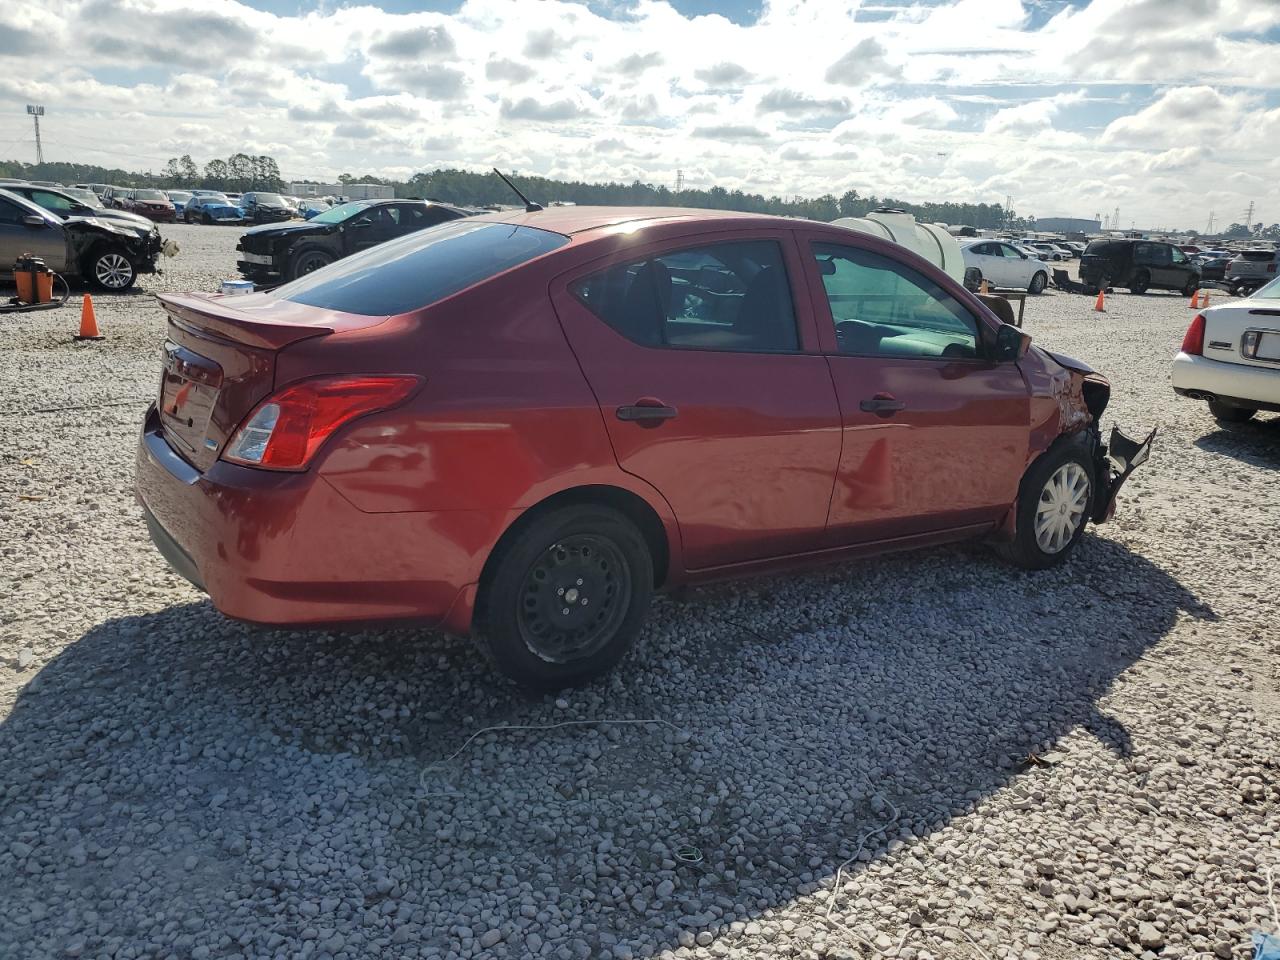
x,y
882,308
985,250
1103,248
420,268
723,296
11,212
1009,252
52,201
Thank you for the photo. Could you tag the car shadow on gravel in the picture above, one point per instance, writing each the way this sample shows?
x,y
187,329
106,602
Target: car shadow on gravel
x,y
1256,442
178,780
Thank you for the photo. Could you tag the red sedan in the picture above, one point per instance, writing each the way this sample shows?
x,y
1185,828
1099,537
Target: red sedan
x,y
520,425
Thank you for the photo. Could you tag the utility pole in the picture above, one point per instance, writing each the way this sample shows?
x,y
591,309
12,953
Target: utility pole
x,y
679,180
36,113
1248,215
1115,219
1209,229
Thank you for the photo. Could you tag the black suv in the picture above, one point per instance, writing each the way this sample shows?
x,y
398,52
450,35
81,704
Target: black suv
x,y
1140,265
274,253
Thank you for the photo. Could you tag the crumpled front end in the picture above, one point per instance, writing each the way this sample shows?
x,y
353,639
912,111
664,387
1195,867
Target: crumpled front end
x,y
1068,400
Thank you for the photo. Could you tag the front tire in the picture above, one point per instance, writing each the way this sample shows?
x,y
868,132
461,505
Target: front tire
x,y
308,261
567,597
1055,500
112,270
1229,414
1141,281
1038,283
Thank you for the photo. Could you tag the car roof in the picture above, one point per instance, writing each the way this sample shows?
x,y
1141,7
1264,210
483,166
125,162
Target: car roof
x,y
575,220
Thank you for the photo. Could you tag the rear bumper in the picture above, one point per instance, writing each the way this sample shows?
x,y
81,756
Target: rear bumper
x,y
286,549
1204,378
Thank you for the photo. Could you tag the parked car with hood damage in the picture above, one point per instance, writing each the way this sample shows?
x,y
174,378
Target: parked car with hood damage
x,y
211,208
519,425
74,202
274,252
107,254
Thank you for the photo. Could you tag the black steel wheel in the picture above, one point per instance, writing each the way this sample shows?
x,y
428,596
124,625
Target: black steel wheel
x,y
566,596
1141,281
573,598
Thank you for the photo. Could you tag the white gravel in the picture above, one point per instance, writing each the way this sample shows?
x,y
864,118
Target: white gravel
x,y
1081,763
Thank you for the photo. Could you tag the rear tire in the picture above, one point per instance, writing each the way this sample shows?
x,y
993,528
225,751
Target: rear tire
x,y
1055,500
1191,287
1141,281
588,560
1038,283
1229,414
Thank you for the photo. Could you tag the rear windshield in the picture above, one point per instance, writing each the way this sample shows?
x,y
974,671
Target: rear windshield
x,y
421,268
149,195
1259,256
1104,248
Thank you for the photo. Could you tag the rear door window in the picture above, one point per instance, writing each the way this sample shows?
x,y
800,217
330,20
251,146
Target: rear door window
x,y
416,270
730,296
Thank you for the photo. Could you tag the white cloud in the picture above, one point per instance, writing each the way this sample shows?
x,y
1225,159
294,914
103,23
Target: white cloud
x,y
1161,106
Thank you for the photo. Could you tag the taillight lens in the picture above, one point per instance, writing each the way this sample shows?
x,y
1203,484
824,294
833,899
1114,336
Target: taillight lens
x,y
287,428
1193,342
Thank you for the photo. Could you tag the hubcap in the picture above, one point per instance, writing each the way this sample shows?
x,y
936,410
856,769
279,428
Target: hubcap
x,y
1062,506
574,598
113,270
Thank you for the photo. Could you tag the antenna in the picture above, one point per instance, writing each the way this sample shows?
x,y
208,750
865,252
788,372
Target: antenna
x,y
529,205
36,113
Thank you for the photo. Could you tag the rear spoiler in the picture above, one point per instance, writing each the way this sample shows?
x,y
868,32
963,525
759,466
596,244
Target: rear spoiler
x,y
273,325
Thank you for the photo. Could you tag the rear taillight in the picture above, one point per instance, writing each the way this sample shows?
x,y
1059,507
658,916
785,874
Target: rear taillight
x,y
1193,342
286,429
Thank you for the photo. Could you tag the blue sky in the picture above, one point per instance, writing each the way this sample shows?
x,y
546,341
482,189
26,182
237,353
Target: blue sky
x,y
1165,108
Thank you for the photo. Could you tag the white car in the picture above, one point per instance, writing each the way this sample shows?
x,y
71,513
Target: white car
x,y
1002,264
1230,357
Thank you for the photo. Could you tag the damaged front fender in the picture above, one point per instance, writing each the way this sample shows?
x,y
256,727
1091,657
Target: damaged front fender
x,y
1116,461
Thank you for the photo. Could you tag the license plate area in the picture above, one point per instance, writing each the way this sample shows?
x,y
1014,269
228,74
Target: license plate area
x,y
1268,347
188,391
260,258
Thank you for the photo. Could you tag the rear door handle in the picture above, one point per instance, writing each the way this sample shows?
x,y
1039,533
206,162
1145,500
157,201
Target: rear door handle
x,y
883,403
646,409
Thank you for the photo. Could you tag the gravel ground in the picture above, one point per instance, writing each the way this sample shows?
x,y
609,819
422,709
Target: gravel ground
x,y
927,755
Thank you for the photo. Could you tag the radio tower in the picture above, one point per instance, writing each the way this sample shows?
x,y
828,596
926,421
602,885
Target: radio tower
x,y
1209,229
1115,219
36,113
679,180
1248,217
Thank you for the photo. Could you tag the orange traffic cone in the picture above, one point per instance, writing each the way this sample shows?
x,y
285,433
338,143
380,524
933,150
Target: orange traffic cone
x,y
88,321
1204,301
1100,304
1195,300
985,287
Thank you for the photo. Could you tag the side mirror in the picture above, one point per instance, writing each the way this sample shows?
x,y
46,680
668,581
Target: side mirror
x,y
33,220
1011,343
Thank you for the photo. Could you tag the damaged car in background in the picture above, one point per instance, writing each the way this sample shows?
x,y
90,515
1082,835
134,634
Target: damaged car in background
x,y
519,425
106,253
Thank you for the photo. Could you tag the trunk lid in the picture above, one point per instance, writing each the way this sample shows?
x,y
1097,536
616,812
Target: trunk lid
x,y
1246,333
219,362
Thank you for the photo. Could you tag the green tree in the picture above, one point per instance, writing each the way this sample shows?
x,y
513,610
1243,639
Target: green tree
x,y
215,175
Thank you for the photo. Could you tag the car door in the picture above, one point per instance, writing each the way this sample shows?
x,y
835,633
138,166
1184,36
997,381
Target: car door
x,y
1019,268
370,228
17,237
1181,269
935,432
981,256
703,357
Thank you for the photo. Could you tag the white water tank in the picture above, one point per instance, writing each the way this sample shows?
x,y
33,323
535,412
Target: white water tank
x,y
927,240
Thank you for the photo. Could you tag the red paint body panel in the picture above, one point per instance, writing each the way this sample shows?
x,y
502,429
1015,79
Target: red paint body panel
x,y
770,462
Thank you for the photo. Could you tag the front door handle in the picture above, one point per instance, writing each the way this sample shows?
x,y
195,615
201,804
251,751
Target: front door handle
x,y
646,410
884,404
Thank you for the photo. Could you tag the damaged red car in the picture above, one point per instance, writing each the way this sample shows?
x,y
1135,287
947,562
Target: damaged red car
x,y
520,425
